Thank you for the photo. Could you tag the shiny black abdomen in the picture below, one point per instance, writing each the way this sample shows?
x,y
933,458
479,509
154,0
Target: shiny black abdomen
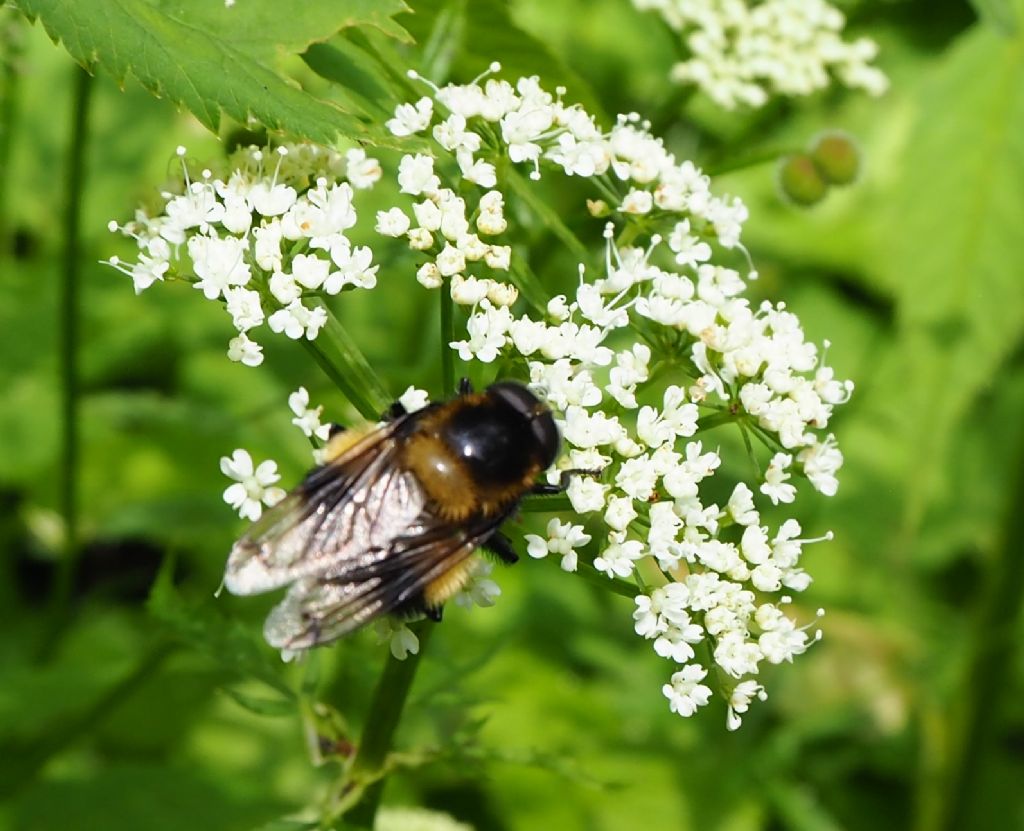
x,y
494,441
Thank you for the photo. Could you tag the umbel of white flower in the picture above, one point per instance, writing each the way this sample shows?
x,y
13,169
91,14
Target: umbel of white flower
x,y
742,52
656,345
267,240
654,348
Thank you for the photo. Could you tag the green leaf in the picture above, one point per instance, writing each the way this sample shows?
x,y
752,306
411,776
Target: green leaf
x,y
216,60
286,824
202,625
1000,14
956,258
259,704
146,794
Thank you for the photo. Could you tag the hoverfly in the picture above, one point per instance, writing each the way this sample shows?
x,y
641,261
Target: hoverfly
x,y
389,522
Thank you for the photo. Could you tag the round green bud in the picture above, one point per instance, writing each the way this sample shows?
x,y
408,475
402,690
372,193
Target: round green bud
x,y
837,157
800,181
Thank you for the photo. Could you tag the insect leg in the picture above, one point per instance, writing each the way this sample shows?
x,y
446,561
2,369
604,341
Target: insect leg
x,y
434,613
465,386
500,545
396,410
544,489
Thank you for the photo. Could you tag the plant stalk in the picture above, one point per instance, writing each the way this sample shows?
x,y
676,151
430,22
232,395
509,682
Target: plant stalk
x,y
69,320
343,362
986,680
389,697
11,33
447,337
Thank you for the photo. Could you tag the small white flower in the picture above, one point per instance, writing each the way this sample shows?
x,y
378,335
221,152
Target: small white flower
x,y
685,694
361,170
411,118
416,175
309,271
392,222
619,558
252,489
307,419
428,276
776,480
218,263
477,171
637,202
479,590
420,239
619,513
295,320
739,701
244,307
676,642
401,640
562,538
741,505
451,261
245,351
586,494
821,461
487,330
353,268
498,257
413,399
284,288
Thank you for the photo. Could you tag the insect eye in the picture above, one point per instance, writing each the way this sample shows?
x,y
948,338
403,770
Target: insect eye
x,y
526,404
546,433
516,396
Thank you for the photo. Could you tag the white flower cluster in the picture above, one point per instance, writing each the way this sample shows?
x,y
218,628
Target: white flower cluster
x,y
268,240
744,51
639,361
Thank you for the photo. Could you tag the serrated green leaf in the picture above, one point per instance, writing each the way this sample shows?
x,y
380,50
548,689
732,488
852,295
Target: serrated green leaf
x,y
216,60
957,258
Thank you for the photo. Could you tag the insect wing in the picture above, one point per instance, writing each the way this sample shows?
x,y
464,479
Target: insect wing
x,y
320,610
351,508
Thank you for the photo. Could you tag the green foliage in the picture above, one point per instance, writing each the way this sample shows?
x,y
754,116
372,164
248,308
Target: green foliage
x,y
544,712
963,157
216,60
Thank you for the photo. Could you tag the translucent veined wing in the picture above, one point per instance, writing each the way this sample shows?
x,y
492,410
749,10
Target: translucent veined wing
x,y
349,509
433,554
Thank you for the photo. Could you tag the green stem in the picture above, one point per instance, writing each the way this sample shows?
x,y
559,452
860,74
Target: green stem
x,y
709,422
389,699
343,362
447,337
754,159
987,677
616,585
69,324
11,31
750,449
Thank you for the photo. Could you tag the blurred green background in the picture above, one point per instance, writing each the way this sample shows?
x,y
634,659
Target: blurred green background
x,y
546,711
